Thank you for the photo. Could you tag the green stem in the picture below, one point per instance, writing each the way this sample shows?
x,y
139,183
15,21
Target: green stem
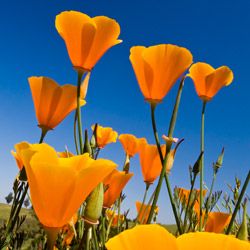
x,y
43,134
188,203
202,162
165,159
209,199
75,136
238,203
78,110
119,212
143,202
95,237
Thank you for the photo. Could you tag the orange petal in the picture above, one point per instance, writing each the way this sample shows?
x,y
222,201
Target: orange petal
x,y
217,222
143,237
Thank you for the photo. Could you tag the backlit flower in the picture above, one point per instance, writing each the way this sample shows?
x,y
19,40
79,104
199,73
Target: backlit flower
x,y
157,68
104,136
86,38
52,102
115,183
148,237
58,186
208,81
143,211
131,144
217,222
150,162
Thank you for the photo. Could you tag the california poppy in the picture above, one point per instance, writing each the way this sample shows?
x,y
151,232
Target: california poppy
x,y
150,162
86,38
208,81
143,211
157,68
217,222
131,144
58,186
115,183
148,237
52,102
104,136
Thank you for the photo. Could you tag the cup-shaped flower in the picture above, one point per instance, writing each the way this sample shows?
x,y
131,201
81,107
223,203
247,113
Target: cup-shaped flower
x,y
143,211
208,81
17,155
52,102
104,135
86,38
58,186
150,162
131,144
217,222
114,184
148,237
157,68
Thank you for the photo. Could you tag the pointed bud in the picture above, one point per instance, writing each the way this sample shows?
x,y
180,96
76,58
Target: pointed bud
x,y
94,205
196,167
93,143
243,232
219,161
87,147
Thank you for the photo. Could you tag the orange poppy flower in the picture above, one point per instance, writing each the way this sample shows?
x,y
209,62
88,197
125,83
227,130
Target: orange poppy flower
x,y
111,215
131,144
58,186
148,237
208,81
157,68
150,162
115,183
52,102
105,135
217,222
144,211
86,38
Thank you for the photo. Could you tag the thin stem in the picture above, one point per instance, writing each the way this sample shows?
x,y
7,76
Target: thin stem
x,y
167,154
202,161
238,203
143,202
43,134
188,203
75,133
78,110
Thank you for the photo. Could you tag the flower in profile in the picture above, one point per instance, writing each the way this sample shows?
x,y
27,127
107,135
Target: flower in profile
x,y
86,38
52,102
114,217
131,144
150,162
148,237
58,186
114,184
208,81
19,147
104,135
157,68
217,222
143,211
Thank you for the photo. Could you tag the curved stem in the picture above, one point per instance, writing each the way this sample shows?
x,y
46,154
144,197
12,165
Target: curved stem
x,y
202,161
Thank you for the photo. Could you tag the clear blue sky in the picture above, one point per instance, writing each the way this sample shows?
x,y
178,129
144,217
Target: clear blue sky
x,y
216,32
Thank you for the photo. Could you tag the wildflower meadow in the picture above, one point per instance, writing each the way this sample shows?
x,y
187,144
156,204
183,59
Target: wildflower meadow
x,y
73,196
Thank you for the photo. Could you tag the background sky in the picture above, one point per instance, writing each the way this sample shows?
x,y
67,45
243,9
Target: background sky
x,y
216,32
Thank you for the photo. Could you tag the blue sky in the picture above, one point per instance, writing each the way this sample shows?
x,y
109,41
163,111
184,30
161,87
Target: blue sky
x,y
216,32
